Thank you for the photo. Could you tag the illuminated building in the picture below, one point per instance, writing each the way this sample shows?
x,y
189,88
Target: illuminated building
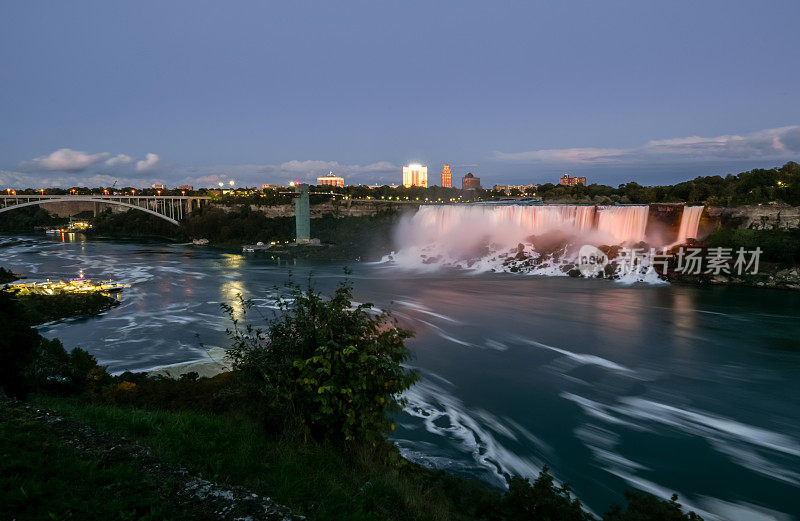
x,y
510,188
188,188
330,180
415,175
447,178
470,182
159,187
566,180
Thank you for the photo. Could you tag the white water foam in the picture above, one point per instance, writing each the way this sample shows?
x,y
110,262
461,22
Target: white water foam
x,y
581,358
534,240
473,431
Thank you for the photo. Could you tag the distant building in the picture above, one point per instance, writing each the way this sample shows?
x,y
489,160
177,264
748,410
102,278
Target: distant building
x,y
186,188
510,188
330,180
269,187
470,182
447,177
566,180
159,187
415,175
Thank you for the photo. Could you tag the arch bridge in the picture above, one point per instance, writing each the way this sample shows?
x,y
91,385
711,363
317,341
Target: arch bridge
x,y
171,208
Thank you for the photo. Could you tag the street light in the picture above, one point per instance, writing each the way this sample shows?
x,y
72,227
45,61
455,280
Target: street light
x,y
232,182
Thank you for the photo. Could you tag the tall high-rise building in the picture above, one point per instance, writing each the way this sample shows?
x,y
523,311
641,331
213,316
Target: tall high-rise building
x,y
415,175
447,177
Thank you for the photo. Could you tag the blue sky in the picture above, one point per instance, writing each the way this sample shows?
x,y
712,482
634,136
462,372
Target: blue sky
x,y
515,92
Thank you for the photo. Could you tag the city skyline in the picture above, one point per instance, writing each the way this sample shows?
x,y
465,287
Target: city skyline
x,y
161,99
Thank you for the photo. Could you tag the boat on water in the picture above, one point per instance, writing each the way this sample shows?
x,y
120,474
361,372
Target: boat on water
x,y
72,227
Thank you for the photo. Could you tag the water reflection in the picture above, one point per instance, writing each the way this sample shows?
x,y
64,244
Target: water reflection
x,y
669,388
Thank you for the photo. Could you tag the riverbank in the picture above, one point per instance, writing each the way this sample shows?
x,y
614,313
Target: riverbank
x,y
71,470
218,466
345,237
41,309
208,426
7,276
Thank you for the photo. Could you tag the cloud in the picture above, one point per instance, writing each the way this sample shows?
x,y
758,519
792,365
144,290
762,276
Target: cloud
x,y
127,172
769,143
66,160
148,163
119,159
20,180
296,170
565,155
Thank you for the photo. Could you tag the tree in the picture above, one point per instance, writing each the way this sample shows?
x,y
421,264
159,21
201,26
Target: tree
x,y
323,363
18,345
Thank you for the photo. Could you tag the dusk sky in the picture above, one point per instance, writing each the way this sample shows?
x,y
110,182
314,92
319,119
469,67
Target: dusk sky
x,y
515,92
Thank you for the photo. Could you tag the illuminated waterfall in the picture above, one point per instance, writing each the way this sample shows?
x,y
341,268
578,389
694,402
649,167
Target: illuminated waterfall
x,y
535,239
506,224
690,221
623,223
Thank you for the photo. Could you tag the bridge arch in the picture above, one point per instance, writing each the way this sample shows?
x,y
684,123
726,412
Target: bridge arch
x,y
89,200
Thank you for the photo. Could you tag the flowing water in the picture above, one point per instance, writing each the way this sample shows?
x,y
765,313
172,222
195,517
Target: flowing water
x,y
690,222
665,388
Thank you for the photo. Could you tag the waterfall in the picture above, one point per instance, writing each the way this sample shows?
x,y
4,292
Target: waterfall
x,y
690,221
623,223
512,223
530,220
535,239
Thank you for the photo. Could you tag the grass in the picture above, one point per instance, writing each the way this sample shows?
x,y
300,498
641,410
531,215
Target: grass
x,y
316,480
42,478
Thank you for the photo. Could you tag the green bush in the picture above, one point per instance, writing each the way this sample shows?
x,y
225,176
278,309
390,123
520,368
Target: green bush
x,y
56,371
7,276
334,369
18,344
646,507
542,500
778,246
29,362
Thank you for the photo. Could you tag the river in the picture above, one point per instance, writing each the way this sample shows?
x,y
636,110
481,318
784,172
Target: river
x,y
665,388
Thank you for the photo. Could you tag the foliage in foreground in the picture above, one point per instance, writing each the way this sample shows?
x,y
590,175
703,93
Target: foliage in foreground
x,y
321,478
30,362
7,276
333,368
42,478
322,481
